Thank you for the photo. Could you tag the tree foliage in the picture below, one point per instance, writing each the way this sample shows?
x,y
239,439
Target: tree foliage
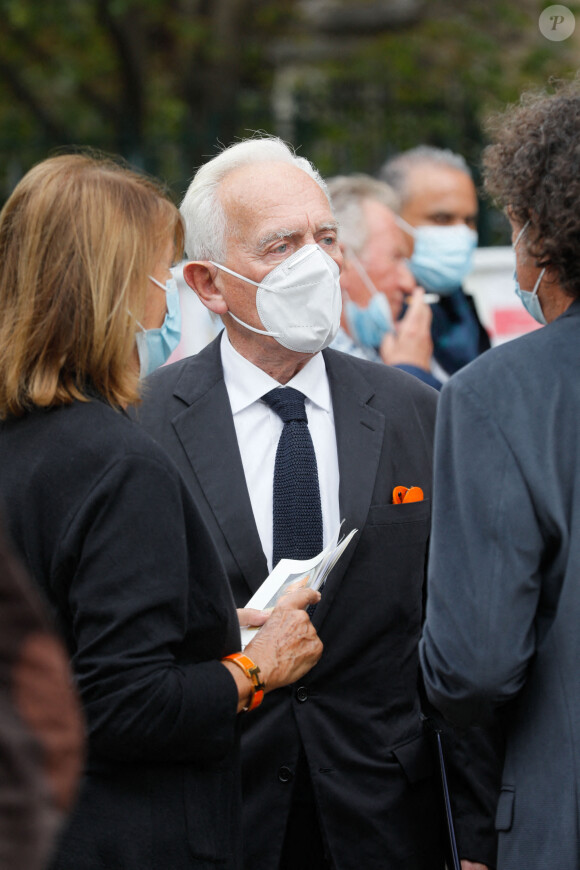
x,y
158,81
435,82
162,82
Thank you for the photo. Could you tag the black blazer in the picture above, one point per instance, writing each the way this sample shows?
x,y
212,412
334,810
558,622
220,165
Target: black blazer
x,y
357,712
106,527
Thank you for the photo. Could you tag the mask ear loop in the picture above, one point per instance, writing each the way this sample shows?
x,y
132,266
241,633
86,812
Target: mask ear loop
x,y
543,272
140,325
235,274
405,226
409,231
237,319
159,284
375,294
366,279
520,234
253,328
362,272
538,282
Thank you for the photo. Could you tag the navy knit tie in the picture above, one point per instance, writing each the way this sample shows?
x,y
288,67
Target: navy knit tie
x,y
297,514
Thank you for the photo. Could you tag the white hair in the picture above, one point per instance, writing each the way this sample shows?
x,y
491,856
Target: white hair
x,y
397,170
205,220
348,194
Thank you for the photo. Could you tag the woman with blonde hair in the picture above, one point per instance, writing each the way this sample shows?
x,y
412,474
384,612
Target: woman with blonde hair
x,y
106,527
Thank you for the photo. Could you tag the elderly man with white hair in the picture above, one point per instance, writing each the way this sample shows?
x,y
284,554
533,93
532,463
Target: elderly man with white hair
x,y
385,317
279,439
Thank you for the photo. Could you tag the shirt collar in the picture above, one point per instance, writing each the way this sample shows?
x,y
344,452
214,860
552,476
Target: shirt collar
x,y
246,383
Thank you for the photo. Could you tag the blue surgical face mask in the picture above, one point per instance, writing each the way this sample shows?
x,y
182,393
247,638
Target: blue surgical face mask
x,y
368,326
529,298
442,256
155,346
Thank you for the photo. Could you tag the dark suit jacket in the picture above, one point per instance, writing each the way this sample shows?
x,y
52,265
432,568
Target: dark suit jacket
x,y
503,614
357,712
106,527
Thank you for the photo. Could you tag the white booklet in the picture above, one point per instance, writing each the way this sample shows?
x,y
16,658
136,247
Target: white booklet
x,y
292,574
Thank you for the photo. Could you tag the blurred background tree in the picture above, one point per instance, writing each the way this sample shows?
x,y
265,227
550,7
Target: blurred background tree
x,y
158,81
348,82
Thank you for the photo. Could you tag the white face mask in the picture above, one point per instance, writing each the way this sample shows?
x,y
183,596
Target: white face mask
x,y
299,301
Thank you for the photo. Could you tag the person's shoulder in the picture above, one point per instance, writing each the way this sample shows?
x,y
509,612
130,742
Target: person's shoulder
x,y
123,456
184,378
383,379
77,445
171,373
107,434
527,357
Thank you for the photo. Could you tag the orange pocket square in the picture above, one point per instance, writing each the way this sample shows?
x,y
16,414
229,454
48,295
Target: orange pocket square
x,y
404,494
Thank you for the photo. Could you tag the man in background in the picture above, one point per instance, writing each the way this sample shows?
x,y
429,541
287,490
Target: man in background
x,y
438,202
376,280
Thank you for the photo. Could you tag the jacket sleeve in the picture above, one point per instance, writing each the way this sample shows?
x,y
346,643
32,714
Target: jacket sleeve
x,y
473,760
420,373
478,636
482,598
148,611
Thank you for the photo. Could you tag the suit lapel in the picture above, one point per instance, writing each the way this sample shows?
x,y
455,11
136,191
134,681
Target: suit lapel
x,y
359,437
207,433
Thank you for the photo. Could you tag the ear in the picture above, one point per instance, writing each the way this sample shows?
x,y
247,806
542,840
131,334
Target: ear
x,y
200,275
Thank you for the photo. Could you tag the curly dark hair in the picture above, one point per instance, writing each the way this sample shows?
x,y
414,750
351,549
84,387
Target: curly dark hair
x,y
533,170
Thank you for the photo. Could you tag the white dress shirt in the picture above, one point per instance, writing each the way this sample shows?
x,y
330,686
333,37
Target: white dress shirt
x,y
258,429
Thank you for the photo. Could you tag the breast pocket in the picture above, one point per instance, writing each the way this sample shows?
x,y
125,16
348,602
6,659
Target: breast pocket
x,y
408,520
393,551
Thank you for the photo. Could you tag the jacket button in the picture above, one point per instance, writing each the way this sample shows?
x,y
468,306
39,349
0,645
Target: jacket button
x,y
302,693
285,774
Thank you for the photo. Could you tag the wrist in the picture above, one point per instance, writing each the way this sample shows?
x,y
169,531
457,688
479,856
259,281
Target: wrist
x,y
255,685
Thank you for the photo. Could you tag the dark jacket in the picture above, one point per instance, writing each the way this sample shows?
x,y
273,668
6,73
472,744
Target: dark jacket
x,y
503,614
357,713
107,529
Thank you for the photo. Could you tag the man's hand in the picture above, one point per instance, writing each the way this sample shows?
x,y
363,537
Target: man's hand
x,y
469,865
411,343
287,646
